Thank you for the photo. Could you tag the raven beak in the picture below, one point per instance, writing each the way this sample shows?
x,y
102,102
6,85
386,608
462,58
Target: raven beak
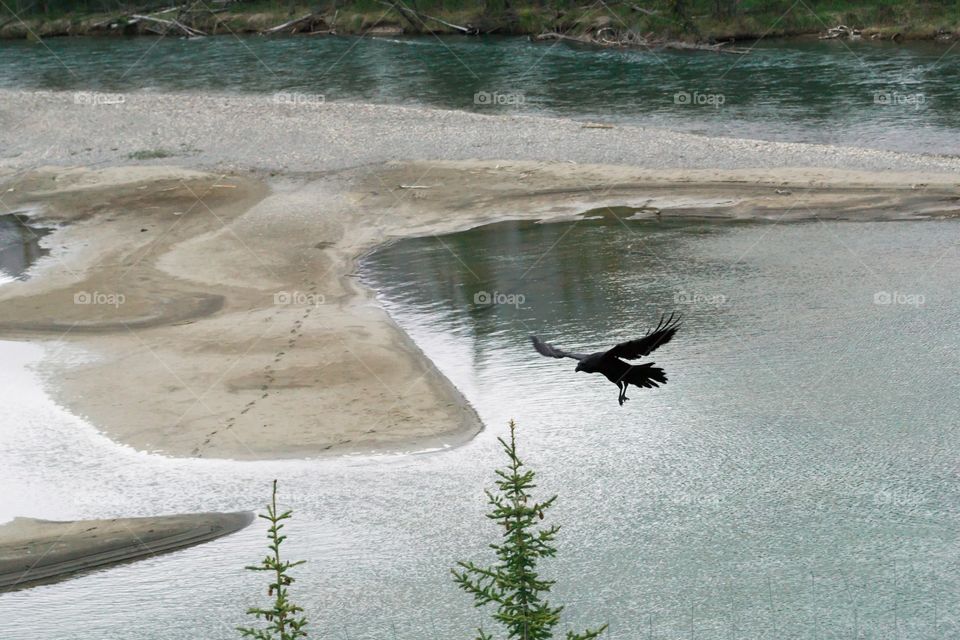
x,y
578,368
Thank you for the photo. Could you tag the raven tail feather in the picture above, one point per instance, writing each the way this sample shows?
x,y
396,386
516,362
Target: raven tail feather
x,y
645,375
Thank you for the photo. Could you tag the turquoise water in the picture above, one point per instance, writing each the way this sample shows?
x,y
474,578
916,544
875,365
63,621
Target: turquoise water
x,y
796,478
861,93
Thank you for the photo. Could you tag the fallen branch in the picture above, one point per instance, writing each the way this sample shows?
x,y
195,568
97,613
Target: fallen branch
x,y
553,35
114,20
465,30
841,31
608,37
713,48
422,17
190,32
288,24
107,22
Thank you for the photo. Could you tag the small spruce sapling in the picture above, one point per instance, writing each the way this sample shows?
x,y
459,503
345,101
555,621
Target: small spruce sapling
x,y
284,621
513,584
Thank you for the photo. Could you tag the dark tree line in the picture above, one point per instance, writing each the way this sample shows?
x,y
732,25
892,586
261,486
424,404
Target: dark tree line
x,y
684,10
56,7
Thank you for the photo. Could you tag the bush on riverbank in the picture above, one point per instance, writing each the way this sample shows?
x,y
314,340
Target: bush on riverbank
x,y
687,19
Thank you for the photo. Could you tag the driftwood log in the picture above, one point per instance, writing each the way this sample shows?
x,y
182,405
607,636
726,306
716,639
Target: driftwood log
x,y
841,31
291,25
168,25
407,12
608,37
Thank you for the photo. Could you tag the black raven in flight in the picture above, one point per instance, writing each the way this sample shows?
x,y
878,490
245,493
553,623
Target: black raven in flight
x,y
611,363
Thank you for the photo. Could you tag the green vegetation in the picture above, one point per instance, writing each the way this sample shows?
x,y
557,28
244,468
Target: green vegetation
x,y
688,19
513,584
284,621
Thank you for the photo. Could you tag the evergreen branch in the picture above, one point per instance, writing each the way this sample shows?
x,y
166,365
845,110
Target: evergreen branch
x,y
586,635
513,583
284,624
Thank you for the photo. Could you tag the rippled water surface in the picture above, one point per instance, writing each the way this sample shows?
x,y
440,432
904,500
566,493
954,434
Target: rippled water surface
x,y
797,477
866,94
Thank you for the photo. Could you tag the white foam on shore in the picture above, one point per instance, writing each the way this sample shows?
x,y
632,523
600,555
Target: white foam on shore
x,y
23,405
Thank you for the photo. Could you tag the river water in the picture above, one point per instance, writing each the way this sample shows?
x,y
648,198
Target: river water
x,y
866,94
20,245
796,478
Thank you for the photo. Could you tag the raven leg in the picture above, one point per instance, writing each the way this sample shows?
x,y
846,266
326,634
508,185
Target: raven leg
x,y
623,390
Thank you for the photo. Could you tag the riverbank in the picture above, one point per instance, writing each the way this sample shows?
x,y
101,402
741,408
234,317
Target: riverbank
x,y
36,552
224,310
696,21
219,296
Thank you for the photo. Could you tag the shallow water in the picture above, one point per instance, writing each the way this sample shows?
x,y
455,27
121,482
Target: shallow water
x,y
19,245
865,94
796,478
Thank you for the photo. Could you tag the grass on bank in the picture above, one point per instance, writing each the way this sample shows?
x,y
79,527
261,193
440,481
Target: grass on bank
x,y
684,19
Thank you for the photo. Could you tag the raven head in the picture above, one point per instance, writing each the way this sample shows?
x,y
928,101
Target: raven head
x,y
579,367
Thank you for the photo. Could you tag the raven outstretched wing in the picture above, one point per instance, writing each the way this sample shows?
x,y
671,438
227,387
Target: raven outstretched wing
x,y
547,349
646,345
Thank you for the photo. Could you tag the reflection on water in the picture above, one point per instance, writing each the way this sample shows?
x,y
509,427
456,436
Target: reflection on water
x,y
19,245
869,94
797,477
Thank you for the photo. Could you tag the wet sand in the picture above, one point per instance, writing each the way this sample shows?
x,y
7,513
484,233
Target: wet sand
x,y
217,327
41,551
